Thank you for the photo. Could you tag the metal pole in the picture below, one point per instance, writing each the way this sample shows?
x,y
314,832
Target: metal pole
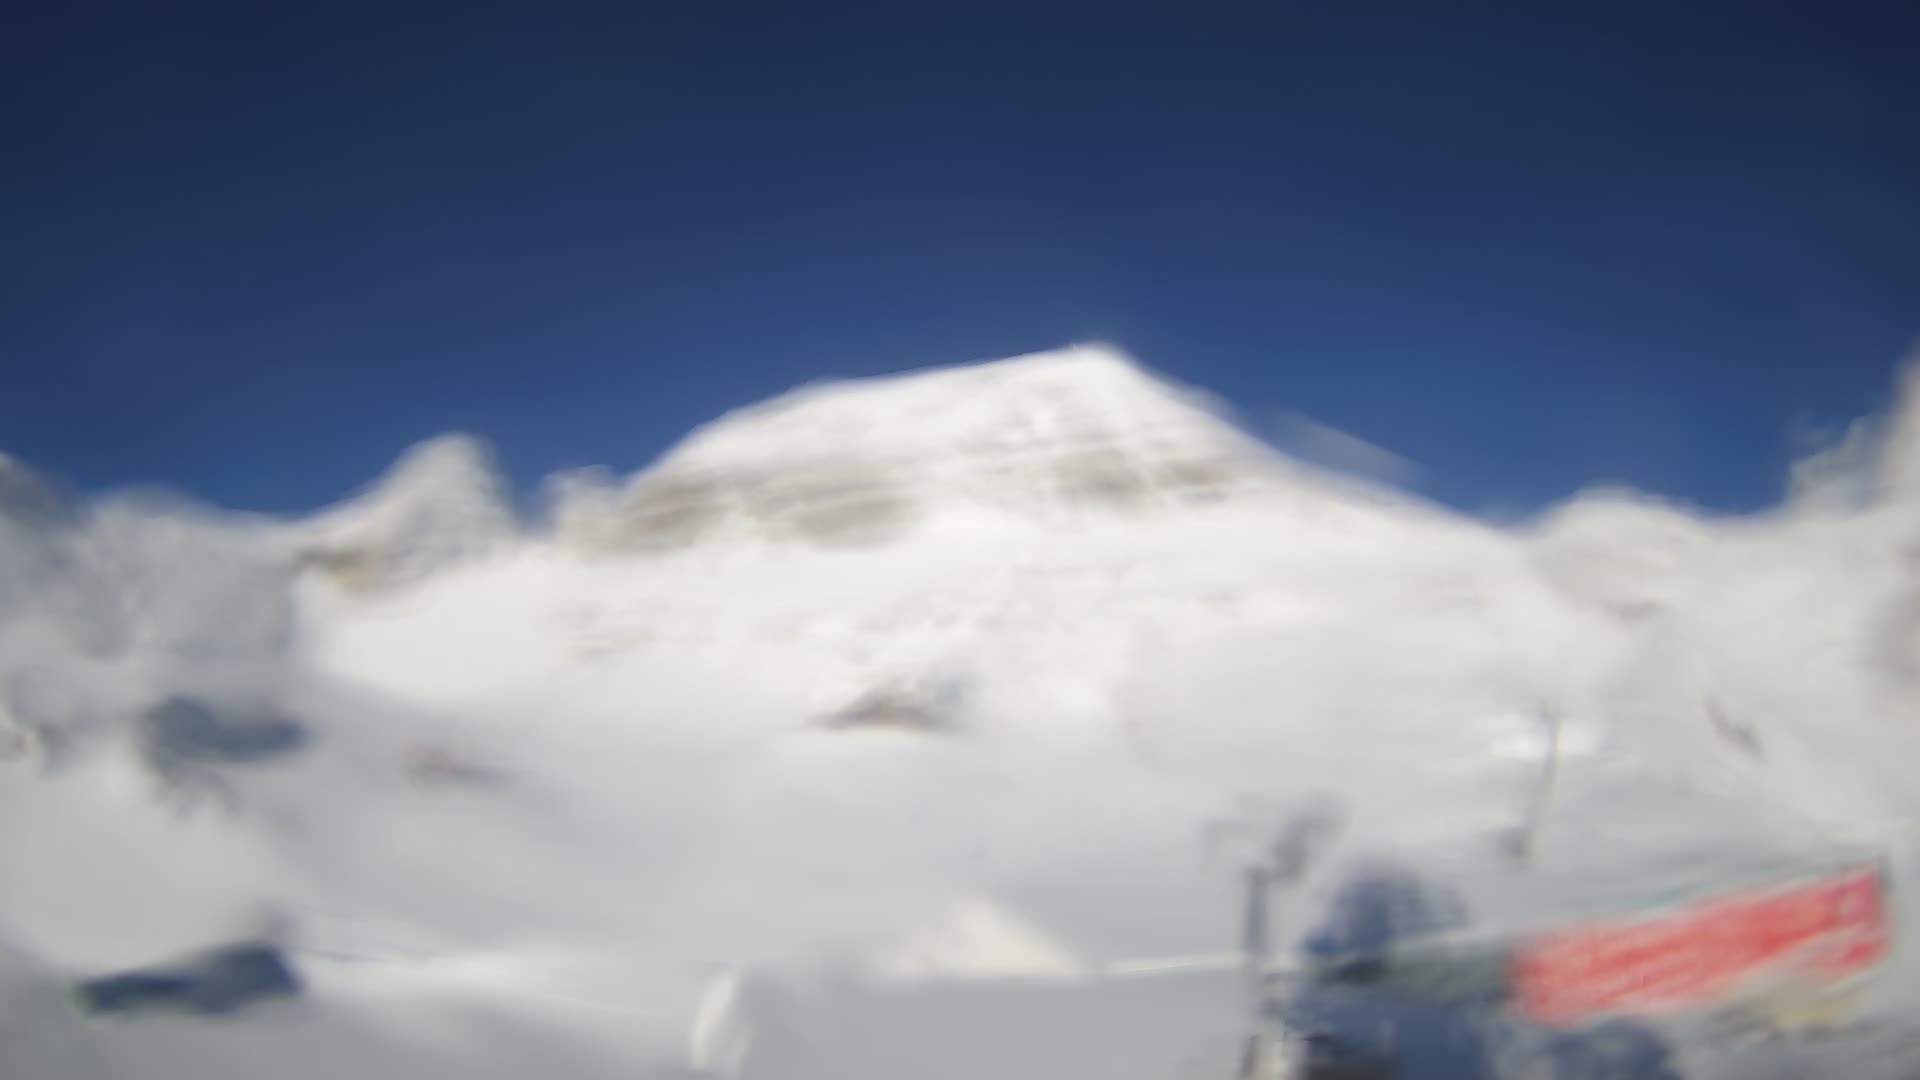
x,y
1536,811
1253,936
1254,950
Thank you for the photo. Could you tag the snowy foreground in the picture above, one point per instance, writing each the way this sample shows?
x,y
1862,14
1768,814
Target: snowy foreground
x,y
990,672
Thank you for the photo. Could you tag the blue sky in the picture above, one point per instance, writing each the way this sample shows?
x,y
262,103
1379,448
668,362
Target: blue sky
x,y
254,250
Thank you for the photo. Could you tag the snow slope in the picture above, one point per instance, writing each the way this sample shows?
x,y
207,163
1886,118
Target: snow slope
x,y
566,770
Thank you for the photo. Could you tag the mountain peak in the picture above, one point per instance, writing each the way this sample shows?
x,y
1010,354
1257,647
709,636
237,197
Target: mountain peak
x,y
441,501
1053,437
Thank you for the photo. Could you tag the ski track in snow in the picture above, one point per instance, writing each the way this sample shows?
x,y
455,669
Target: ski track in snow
x,y
1131,687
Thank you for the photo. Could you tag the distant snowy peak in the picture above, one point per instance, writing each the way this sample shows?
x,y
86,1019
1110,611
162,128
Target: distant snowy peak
x,y
440,503
1073,399
37,526
1054,437
1620,552
1897,475
29,499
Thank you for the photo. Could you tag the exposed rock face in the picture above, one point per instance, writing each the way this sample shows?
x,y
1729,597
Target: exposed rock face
x,y
903,705
189,744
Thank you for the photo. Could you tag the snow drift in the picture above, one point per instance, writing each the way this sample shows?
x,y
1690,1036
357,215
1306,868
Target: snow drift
x,y
553,774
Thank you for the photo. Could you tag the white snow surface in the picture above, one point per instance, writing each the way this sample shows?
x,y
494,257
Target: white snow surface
x,y
1147,633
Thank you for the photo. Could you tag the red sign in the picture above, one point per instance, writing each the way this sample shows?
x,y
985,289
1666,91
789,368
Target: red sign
x,y
1819,932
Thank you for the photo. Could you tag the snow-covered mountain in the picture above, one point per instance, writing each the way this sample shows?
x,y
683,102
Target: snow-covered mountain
x,y
1078,437
440,504
1017,636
